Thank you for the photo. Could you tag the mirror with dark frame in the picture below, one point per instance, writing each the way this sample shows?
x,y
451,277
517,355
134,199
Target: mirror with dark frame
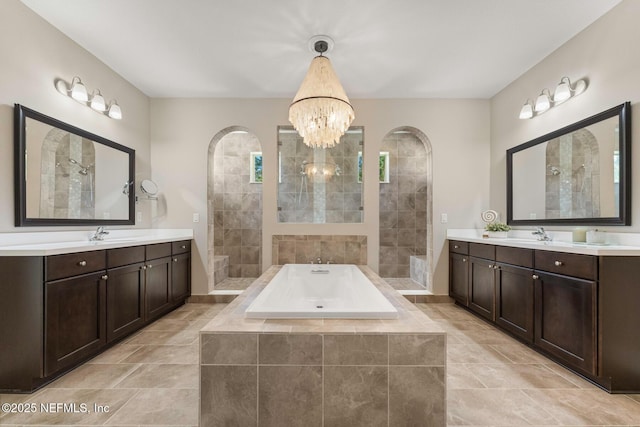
x,y
67,176
579,175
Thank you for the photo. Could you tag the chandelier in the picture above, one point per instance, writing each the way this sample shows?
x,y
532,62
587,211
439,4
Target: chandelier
x,y
320,111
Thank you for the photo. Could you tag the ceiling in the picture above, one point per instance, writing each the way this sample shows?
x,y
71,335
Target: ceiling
x,y
383,48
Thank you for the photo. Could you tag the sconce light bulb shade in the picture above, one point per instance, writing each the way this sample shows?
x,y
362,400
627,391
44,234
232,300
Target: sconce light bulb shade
x,y
579,87
543,103
79,91
97,102
114,111
562,92
527,111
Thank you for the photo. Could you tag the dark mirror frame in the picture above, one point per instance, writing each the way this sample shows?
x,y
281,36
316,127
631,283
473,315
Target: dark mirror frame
x,y
623,112
21,113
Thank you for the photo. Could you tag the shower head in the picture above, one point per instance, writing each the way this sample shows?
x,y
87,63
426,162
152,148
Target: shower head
x,y
554,170
84,170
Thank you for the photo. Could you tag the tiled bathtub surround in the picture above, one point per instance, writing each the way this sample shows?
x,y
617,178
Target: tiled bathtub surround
x,y
315,372
302,249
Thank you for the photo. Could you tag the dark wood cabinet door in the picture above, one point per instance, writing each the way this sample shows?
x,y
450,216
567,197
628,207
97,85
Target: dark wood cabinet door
x,y
459,278
514,300
157,287
75,320
565,319
125,300
482,287
180,277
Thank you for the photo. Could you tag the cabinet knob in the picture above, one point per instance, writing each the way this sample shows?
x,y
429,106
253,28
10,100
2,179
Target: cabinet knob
x,y
175,260
495,267
456,247
558,263
144,267
464,260
185,246
491,266
535,277
149,265
104,277
82,263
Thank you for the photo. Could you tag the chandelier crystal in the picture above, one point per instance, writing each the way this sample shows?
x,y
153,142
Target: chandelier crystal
x,y
320,111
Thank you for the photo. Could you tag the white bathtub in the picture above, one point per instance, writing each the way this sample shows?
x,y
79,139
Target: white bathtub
x,y
338,291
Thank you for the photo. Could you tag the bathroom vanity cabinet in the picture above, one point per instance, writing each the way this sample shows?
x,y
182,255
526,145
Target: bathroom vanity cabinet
x,y
74,308
577,309
60,310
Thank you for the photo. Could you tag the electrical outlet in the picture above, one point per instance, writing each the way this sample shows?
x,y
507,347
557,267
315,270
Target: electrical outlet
x,y
444,218
196,217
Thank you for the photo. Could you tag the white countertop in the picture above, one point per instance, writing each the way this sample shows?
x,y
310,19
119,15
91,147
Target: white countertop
x,y
523,239
63,242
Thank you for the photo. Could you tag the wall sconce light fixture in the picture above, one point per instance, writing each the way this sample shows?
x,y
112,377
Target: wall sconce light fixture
x,y
564,90
78,91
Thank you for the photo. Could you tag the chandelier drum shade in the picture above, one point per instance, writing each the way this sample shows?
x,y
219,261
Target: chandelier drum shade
x,y
321,111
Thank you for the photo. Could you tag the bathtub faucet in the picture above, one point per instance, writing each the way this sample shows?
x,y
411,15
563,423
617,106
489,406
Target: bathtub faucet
x,y
319,261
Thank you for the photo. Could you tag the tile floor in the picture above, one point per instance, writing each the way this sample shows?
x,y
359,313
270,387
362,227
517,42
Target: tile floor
x,y
152,379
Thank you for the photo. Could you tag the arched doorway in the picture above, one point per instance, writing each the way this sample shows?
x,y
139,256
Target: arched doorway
x,y
234,209
406,210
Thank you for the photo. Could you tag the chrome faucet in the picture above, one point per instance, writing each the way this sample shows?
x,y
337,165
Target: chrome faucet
x,y
319,260
99,234
542,235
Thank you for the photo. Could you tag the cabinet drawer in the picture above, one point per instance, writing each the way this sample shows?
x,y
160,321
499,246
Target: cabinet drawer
x,y
68,265
480,250
515,256
125,256
160,250
583,266
458,247
181,247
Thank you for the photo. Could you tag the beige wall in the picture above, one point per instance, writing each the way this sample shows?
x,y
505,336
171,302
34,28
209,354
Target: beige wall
x,y
33,54
603,53
181,130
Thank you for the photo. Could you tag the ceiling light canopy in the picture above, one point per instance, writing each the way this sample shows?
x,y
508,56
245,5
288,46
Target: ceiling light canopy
x,y
320,111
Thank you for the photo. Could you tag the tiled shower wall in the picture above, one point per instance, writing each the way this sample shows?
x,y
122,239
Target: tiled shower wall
x,y
573,166
302,249
237,205
64,191
403,205
302,199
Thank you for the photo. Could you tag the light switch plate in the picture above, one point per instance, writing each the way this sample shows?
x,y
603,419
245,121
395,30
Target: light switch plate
x,y
444,218
196,217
